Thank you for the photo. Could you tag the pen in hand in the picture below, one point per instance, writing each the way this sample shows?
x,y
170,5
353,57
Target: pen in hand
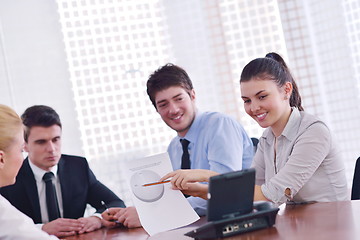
x,y
107,210
155,183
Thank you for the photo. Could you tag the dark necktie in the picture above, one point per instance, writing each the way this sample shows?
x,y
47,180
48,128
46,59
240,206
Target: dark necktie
x,y
51,199
185,159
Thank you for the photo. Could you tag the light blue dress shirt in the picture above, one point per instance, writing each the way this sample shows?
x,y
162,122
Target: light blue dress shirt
x,y
218,143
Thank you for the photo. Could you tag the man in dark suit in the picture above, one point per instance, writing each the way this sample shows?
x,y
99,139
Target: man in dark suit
x,y
74,182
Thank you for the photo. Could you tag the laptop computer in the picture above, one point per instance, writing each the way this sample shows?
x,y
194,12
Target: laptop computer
x,y
230,208
231,194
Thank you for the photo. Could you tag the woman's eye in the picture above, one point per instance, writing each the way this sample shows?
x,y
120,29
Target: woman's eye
x,y
246,101
262,97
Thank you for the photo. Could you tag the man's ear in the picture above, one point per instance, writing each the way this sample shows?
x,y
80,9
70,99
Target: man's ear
x,y
192,94
2,159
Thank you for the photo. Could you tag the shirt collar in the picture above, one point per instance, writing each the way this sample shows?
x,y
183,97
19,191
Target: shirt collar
x,y
289,131
39,173
192,134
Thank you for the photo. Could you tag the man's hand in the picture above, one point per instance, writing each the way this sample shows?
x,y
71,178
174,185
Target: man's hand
x,y
128,217
63,227
180,179
197,190
91,223
108,219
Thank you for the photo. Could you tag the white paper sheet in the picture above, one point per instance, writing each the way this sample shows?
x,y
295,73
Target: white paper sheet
x,y
160,208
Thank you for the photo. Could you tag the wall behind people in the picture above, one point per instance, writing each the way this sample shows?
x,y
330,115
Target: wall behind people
x,y
107,49
33,67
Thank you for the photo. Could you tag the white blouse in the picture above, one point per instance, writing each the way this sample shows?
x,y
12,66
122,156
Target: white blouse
x,y
14,225
307,166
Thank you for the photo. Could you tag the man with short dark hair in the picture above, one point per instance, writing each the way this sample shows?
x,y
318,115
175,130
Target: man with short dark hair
x,y
205,140
75,185
214,140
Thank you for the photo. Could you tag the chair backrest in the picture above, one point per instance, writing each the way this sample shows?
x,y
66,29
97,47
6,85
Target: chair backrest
x,y
355,191
255,142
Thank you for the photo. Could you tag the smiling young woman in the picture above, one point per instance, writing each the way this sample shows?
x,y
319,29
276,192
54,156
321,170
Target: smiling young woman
x,y
296,159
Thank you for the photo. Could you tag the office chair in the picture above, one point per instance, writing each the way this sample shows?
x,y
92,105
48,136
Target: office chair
x,y
355,191
255,142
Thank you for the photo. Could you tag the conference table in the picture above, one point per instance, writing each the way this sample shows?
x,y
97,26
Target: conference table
x,y
333,220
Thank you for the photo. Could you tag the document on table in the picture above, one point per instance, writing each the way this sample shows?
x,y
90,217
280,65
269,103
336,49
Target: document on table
x,y
160,208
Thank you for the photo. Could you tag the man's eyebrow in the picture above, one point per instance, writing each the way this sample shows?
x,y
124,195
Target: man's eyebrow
x,y
164,100
177,95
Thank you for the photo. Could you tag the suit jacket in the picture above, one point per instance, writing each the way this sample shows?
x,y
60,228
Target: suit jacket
x,y
79,187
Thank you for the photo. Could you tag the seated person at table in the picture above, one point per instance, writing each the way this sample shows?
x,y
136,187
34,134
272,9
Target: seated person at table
x,y
75,184
13,223
296,159
215,141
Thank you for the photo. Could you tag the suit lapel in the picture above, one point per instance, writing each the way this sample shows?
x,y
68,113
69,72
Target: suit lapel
x,y
65,185
31,190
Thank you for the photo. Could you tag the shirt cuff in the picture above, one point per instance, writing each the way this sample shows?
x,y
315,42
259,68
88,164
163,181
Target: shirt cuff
x,y
274,195
39,225
97,215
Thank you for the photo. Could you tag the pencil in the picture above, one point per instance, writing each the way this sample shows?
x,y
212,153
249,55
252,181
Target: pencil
x,y
155,183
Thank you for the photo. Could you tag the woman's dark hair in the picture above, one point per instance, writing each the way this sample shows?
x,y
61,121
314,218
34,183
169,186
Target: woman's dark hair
x,y
272,67
167,76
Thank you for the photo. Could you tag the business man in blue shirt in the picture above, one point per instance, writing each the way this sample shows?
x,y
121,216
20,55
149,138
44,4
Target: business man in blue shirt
x,y
217,141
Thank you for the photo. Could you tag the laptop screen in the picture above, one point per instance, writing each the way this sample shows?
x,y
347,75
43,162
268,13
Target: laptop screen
x,y
231,194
